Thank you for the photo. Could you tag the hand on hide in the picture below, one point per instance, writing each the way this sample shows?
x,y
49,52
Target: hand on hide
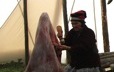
x,y
64,47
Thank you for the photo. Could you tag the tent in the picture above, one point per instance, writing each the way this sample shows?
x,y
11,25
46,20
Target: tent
x,y
12,38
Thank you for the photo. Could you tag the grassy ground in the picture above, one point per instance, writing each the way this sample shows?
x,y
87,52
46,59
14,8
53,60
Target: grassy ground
x,y
18,67
12,67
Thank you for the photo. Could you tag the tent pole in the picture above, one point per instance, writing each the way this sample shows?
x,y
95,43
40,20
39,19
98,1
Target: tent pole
x,y
65,17
104,26
65,23
26,32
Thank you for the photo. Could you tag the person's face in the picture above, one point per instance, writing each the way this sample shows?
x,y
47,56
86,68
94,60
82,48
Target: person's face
x,y
76,25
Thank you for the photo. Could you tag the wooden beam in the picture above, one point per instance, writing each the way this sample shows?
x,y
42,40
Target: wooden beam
x,y
105,26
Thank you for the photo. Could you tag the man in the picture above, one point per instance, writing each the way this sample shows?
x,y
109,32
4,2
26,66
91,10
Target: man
x,y
83,52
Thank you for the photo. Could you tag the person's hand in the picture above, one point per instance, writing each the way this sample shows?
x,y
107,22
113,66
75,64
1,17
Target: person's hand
x,y
64,47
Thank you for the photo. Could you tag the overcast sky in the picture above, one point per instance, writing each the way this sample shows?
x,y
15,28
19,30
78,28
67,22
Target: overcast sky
x,y
6,7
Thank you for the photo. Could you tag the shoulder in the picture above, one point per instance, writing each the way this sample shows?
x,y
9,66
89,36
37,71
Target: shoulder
x,y
89,30
71,31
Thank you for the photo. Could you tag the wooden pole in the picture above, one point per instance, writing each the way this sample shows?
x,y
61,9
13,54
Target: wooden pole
x,y
26,32
104,26
66,24
65,17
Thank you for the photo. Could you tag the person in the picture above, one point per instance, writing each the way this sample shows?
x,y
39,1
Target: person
x,y
84,55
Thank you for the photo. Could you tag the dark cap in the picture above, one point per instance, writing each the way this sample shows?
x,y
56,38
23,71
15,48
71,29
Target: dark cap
x,y
79,15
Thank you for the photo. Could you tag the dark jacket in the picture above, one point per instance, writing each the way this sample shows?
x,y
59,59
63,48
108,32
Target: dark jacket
x,y
83,52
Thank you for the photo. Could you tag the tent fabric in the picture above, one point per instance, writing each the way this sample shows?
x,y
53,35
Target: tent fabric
x,y
12,40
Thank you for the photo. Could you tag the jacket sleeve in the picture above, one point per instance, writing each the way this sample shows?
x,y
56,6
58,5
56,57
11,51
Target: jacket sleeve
x,y
87,42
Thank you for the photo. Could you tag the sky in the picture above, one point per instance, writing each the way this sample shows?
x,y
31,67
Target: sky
x,y
6,7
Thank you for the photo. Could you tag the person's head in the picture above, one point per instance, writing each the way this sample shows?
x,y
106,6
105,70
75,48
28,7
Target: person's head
x,y
78,19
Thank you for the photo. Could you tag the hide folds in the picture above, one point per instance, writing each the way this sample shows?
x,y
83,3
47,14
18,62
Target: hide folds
x,y
43,57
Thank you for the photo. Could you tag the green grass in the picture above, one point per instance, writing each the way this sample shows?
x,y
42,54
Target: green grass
x,y
12,67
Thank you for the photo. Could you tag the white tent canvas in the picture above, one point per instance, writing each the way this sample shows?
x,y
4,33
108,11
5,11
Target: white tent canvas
x,y
12,40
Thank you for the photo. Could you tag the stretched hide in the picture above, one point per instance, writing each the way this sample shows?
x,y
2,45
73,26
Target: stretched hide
x,y
43,58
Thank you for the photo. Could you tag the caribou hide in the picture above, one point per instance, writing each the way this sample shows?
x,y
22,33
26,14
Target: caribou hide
x,y
43,58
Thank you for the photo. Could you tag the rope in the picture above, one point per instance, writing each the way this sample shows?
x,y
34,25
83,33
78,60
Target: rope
x,y
28,27
71,10
95,17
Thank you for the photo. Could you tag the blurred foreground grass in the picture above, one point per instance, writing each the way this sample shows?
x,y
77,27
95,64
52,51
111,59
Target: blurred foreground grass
x,y
12,67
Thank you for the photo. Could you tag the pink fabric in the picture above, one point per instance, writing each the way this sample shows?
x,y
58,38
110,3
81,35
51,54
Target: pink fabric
x,y
43,58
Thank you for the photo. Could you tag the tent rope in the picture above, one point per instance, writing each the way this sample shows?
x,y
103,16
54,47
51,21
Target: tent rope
x,y
28,27
71,10
95,17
